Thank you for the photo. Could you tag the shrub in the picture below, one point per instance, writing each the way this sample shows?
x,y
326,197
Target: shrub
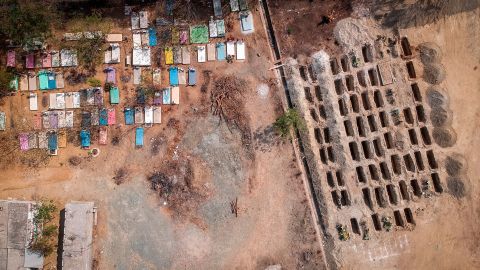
x,y
94,82
289,119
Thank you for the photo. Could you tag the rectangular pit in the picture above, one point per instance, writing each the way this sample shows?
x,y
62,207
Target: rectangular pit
x,y
417,191
398,218
331,154
321,110
355,226
432,162
367,53
378,99
376,222
345,198
345,62
411,70
421,113
339,86
334,66
377,146
354,102
318,135
407,114
392,194
342,106
373,172
403,190
416,92
437,185
354,151
303,73
385,171
367,198
407,159
361,78
372,123
308,94
373,76
323,156
388,140
419,160
336,198
318,93
314,115
383,119
425,136
379,195
413,136
409,215
326,135
407,51
349,82
366,101
312,74
348,128
396,164
330,181
360,126
340,180
367,151
361,177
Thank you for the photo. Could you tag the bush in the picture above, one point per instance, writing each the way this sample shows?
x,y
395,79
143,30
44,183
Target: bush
x,y
5,79
50,230
44,212
42,246
94,82
289,119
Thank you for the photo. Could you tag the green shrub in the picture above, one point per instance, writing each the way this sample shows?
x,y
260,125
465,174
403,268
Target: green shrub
x,y
94,82
44,212
289,119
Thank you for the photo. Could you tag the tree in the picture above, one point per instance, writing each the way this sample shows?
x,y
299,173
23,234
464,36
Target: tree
x,y
23,22
289,119
5,79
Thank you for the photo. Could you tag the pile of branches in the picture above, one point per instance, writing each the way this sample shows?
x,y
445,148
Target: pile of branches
x,y
227,100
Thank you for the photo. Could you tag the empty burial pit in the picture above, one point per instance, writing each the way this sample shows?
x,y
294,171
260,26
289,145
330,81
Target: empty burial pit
x,y
361,177
396,164
437,185
398,218
362,80
314,115
312,74
388,140
303,73
421,113
354,153
349,82
407,159
385,171
367,198
367,151
407,114
373,76
416,92
366,101
318,93
392,194
330,181
308,94
354,102
340,180
334,66
380,197
411,70
336,198
345,198
331,155
318,135
342,106
407,51
321,110
348,128
419,160
373,172
360,126
417,191
378,99
377,146
338,86
372,123
355,226
345,62
323,155
376,222
383,119
409,215
432,162
403,190
367,53
413,136
326,135
425,136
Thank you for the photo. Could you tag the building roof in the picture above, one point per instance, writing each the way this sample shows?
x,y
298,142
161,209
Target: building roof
x,y
16,225
78,238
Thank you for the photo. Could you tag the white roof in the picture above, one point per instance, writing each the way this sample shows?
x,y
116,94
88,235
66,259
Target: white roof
x,y
33,102
157,114
114,37
53,101
240,50
148,115
68,58
175,95
143,19
78,236
137,75
201,53
141,57
69,119
230,48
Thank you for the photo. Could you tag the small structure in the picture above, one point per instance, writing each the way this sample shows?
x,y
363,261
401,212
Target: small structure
x,y
182,77
46,60
112,120
220,28
61,119
143,20
177,55
30,61
62,139
32,81
135,20
33,100
11,61
230,49
114,95
77,250
168,55
240,50
234,5
24,82
138,115
173,75
157,115
175,95
157,76
69,119
129,116
217,8
103,117
85,138
183,37
141,56
55,58
52,138
211,52
2,121
23,140
201,54
192,76
148,115
102,136
212,27
60,80
112,54
157,98
185,55
114,38
166,96
111,75
139,137
221,51
152,36
68,58
246,19
137,75
16,232
199,34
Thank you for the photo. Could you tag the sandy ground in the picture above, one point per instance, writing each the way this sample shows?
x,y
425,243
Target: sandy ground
x,y
136,231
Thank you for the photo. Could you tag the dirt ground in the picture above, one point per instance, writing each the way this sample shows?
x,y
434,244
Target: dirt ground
x,y
136,230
